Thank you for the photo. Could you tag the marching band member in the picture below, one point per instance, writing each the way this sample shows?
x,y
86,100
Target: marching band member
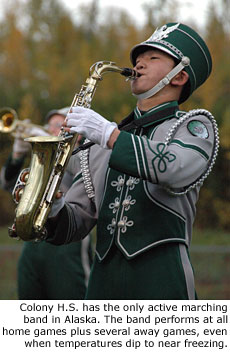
x,y
47,272
141,173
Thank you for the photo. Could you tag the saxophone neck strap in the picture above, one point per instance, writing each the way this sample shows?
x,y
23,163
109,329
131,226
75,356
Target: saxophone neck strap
x,y
151,119
83,147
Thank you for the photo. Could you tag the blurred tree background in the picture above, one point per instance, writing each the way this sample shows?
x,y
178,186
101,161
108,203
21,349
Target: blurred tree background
x,y
45,57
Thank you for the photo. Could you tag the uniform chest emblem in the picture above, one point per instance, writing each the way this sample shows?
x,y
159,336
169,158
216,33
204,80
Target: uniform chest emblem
x,y
197,128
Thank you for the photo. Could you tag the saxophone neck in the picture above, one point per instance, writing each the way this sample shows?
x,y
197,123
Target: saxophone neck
x,y
102,67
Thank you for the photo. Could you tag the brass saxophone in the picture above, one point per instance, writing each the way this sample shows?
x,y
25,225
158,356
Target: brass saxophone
x,y
37,186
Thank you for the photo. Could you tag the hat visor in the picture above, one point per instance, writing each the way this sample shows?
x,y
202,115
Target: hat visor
x,y
139,49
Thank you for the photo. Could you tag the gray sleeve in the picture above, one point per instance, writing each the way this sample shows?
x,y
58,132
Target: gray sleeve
x,y
187,155
175,165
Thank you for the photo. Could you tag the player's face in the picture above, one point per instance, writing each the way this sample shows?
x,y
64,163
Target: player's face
x,y
152,65
55,124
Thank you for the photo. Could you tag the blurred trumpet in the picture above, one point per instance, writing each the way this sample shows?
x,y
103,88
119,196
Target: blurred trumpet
x,y
9,124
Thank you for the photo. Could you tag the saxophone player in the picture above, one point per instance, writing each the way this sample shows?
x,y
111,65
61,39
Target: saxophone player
x,y
145,175
44,271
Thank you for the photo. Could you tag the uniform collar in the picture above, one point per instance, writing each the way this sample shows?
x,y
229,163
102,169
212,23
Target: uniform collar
x,y
155,115
156,109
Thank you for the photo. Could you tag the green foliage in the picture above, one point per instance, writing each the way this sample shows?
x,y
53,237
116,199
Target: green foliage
x,y
212,273
210,237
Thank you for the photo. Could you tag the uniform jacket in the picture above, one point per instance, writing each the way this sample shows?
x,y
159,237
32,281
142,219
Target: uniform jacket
x,y
132,205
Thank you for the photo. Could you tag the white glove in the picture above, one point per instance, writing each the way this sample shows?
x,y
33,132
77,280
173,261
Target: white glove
x,y
91,125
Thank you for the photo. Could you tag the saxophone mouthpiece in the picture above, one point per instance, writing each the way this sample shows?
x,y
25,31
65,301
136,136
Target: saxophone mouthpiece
x,y
131,74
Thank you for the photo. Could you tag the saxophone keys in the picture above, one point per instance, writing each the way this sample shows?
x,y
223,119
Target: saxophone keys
x,y
24,175
18,193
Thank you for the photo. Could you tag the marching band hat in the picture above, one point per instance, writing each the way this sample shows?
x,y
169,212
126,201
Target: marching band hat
x,y
179,40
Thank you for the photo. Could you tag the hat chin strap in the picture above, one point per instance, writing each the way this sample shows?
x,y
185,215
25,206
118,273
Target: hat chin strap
x,y
165,81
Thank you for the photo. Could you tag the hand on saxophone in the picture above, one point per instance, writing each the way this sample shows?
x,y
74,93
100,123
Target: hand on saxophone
x,y
91,125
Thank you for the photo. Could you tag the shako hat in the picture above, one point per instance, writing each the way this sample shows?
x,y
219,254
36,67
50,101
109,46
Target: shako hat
x,y
179,40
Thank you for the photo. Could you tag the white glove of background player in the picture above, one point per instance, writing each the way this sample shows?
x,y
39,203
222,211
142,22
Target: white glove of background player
x,y
91,125
23,147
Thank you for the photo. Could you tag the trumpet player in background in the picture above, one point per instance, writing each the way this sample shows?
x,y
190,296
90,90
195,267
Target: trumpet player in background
x,y
20,151
44,271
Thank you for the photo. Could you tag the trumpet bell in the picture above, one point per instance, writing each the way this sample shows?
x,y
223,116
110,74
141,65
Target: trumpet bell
x,y
8,120
10,124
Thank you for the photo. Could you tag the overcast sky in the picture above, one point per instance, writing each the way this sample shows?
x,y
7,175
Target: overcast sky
x,y
197,10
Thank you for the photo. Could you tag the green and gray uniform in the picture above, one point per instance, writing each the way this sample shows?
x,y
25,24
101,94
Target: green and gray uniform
x,y
143,231
45,271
